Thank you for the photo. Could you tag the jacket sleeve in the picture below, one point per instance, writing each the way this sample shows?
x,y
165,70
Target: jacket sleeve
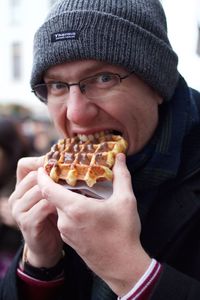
x,y
175,285
9,284
171,285
78,280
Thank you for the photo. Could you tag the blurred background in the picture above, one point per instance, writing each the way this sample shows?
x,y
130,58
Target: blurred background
x,y
25,127
19,19
183,19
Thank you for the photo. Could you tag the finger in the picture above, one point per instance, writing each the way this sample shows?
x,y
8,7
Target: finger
x,y
26,184
36,215
29,199
26,203
122,180
54,192
40,211
28,164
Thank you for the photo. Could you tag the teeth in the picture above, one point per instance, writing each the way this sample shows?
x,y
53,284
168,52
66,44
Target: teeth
x,y
82,137
102,133
91,137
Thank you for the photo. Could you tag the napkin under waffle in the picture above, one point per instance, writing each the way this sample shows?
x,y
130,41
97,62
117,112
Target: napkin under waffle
x,y
72,159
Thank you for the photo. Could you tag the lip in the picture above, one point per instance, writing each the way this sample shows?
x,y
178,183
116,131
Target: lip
x,y
94,131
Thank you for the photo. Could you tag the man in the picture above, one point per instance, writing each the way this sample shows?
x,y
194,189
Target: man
x,y
108,66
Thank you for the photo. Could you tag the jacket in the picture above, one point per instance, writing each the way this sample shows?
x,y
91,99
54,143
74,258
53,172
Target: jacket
x,y
170,233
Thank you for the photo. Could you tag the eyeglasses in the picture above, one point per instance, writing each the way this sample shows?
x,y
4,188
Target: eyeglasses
x,y
94,87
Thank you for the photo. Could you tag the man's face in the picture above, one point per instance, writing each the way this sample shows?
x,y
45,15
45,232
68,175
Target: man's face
x,y
130,108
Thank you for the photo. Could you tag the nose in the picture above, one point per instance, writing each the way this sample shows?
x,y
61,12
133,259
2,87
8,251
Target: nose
x,y
80,109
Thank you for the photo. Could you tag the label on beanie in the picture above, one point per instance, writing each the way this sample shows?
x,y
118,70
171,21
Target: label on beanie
x,y
63,36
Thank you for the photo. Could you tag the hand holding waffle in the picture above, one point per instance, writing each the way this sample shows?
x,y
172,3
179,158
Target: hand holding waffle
x,y
94,228
35,216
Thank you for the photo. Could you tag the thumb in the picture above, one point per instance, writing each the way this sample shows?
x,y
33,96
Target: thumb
x,y
56,193
51,191
122,183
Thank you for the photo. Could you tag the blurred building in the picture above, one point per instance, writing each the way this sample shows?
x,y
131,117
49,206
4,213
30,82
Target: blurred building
x,y
20,18
183,19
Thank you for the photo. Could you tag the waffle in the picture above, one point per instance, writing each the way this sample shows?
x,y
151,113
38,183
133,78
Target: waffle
x,y
72,159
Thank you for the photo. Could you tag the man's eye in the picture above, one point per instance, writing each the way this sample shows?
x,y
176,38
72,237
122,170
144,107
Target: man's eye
x,y
57,85
105,77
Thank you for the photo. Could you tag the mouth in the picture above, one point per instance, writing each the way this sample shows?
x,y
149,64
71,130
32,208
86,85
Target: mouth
x,y
97,135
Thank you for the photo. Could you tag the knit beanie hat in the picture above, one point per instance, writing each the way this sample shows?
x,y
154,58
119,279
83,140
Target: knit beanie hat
x,y
128,33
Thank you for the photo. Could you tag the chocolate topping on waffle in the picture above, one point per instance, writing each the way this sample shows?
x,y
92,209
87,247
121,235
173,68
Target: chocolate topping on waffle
x,y
72,159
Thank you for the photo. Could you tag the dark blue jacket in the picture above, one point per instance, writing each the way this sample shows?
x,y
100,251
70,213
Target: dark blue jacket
x,y
170,233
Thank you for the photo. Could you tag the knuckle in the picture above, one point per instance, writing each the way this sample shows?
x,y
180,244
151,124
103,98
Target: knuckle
x,y
13,213
127,202
125,173
20,220
61,226
11,199
18,216
23,224
22,162
76,212
130,201
45,191
32,176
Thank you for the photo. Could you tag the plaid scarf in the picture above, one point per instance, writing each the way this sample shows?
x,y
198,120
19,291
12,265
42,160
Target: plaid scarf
x,y
159,161
101,291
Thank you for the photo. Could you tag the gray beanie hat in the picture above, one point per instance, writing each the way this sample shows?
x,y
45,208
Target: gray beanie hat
x,y
128,33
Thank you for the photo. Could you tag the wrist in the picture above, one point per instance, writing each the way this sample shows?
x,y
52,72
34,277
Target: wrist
x,y
40,261
128,277
142,289
42,273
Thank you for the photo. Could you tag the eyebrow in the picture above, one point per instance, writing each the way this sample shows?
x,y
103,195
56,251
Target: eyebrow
x,y
51,74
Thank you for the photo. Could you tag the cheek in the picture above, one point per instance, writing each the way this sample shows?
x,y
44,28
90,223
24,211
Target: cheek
x,y
141,122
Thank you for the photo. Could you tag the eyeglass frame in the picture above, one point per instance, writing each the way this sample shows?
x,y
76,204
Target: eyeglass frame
x,y
68,85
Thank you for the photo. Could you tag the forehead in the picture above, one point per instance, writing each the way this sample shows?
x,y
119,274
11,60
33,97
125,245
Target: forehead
x,y
80,68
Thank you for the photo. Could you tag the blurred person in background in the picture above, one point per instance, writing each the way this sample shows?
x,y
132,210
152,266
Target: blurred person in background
x,y
43,137
13,146
40,133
